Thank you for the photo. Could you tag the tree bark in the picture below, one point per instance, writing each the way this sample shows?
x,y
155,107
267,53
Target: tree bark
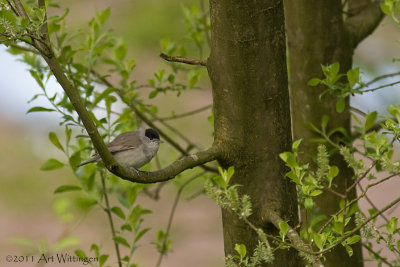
x,y
247,68
318,35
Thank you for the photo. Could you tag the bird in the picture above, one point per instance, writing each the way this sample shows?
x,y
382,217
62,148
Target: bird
x,y
132,149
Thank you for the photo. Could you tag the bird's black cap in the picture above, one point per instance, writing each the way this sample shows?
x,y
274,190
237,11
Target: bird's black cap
x,y
152,134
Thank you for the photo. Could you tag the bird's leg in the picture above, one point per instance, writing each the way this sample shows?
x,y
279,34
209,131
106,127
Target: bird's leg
x,y
136,170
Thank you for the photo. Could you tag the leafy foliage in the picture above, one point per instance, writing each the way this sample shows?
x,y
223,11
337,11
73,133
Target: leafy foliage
x,y
83,56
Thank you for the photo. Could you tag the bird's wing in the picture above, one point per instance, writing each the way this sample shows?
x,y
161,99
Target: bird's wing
x,y
125,141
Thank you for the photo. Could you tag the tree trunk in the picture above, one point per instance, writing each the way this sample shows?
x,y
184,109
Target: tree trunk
x,y
247,68
317,35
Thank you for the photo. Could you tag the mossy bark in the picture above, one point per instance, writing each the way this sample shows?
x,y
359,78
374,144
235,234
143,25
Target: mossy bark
x,y
247,67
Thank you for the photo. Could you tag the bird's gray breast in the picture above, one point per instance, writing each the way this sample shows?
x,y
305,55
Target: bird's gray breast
x,y
136,157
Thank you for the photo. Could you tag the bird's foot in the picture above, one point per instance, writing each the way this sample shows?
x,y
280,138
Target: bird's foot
x,y
138,172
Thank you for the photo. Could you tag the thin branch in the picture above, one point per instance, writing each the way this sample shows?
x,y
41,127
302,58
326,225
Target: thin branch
x,y
175,131
110,219
330,190
205,14
156,194
293,236
380,87
359,111
358,180
186,162
356,229
171,216
44,30
375,127
382,215
24,48
190,113
20,8
183,60
43,45
12,8
356,199
372,203
377,255
381,78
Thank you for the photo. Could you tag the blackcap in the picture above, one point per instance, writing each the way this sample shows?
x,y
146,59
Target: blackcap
x,y
132,149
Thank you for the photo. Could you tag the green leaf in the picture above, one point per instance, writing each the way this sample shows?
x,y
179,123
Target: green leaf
x,y
308,203
24,242
85,203
126,227
167,46
284,228
103,16
120,51
103,94
51,164
75,159
314,82
319,240
333,172
218,180
353,76
324,122
140,234
38,109
391,226
153,94
67,188
370,120
349,250
38,79
171,78
122,241
54,139
66,242
229,174
241,250
311,127
315,193
102,259
193,77
385,9
292,176
352,240
296,144
398,244
289,158
118,211
80,253
340,105
334,69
